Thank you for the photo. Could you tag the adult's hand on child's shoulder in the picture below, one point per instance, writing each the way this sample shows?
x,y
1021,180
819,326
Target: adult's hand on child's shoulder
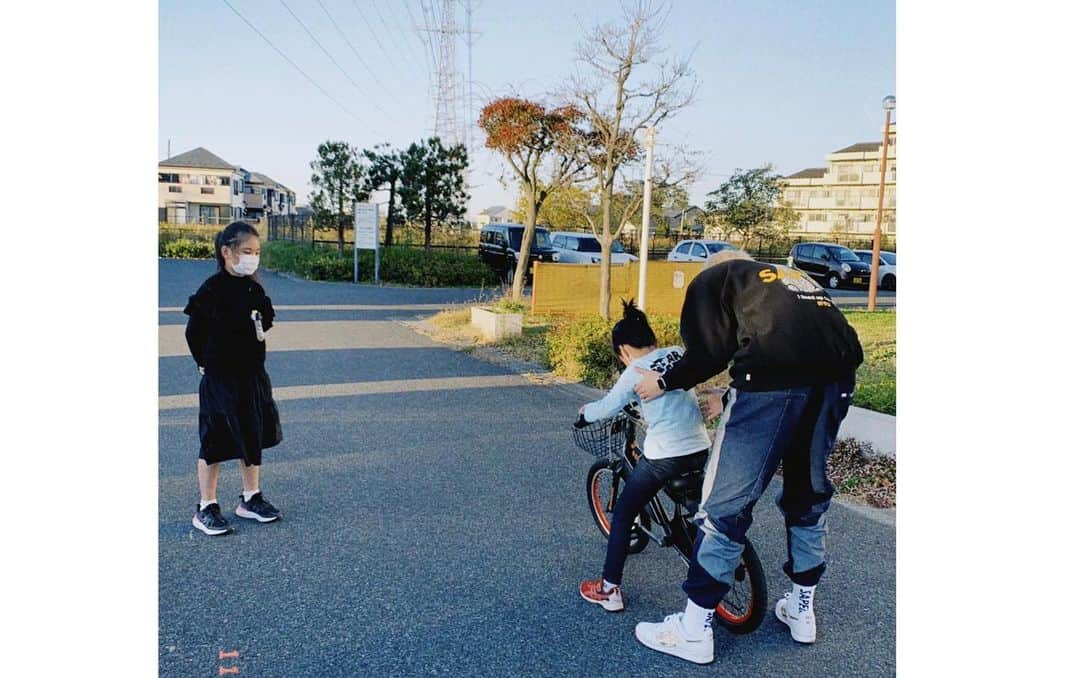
x,y
649,386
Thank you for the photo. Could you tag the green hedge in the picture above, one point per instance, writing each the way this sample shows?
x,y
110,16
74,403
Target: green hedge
x,y
580,349
402,265
185,248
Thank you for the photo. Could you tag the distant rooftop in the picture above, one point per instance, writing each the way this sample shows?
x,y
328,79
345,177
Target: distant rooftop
x,y
197,157
809,173
863,147
263,179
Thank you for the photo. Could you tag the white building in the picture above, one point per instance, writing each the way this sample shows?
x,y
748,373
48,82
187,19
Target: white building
x,y
841,199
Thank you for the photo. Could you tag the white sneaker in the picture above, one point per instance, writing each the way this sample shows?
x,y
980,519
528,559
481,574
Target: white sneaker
x,y
670,637
800,621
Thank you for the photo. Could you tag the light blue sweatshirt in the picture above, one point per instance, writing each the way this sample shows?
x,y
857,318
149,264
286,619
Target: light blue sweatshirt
x,y
676,427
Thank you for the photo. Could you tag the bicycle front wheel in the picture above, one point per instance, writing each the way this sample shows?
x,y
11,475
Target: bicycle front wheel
x,y
602,486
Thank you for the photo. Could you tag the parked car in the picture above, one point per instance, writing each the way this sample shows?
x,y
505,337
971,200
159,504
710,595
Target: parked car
x,y
584,248
697,250
500,247
886,267
831,264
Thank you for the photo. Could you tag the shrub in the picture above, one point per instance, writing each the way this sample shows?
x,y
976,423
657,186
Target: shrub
x,y
403,265
415,266
580,349
185,248
508,305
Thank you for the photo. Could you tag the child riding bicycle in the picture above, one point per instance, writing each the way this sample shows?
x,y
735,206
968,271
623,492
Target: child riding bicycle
x,y
677,443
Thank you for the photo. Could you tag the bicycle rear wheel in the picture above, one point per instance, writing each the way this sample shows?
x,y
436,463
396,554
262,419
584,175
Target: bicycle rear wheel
x,y
743,608
601,489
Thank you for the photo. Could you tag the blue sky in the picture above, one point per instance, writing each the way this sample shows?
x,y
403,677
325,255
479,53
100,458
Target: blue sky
x,y
779,82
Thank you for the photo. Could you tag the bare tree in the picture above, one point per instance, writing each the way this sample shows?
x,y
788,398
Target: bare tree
x,y
672,170
621,95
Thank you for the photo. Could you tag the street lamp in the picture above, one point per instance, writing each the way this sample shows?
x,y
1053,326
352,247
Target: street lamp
x,y
889,104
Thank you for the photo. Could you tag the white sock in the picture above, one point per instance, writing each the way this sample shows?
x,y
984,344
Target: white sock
x,y
204,504
608,586
697,620
802,599
249,495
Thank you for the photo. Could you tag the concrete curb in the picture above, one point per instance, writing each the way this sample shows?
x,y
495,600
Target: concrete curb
x,y
871,427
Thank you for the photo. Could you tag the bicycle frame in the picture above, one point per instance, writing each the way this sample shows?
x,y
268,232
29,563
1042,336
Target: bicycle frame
x,y
654,509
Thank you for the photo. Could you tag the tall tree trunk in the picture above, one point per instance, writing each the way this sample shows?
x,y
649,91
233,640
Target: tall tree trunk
x,y
526,248
605,254
390,215
427,224
341,220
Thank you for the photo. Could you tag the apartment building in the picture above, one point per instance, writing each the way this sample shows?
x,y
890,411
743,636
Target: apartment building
x,y
263,196
198,187
841,198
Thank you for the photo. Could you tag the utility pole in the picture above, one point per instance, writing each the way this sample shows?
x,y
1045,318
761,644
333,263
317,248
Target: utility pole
x,y
469,104
889,104
646,210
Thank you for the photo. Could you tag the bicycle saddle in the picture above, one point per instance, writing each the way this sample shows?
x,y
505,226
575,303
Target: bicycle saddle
x,y
687,483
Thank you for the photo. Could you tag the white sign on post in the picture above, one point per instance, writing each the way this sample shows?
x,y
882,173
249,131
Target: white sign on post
x,y
366,222
365,234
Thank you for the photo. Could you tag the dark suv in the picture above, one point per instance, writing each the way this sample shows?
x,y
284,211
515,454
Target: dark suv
x,y
500,247
831,264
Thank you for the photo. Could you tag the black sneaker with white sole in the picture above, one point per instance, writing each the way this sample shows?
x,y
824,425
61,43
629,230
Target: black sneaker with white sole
x,y
258,509
210,521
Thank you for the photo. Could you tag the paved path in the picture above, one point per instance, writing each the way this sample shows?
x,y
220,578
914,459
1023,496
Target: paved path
x,y
435,521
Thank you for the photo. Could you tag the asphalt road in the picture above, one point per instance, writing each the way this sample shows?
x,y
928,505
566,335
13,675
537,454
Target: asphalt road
x,y
435,522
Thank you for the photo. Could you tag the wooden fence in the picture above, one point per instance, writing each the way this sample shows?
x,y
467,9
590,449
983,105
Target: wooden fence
x,y
574,289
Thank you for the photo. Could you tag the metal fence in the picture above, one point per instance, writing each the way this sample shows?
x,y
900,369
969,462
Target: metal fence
x,y
775,251
297,228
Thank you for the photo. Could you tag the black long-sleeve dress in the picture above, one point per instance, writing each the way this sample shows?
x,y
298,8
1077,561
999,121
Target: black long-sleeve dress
x,y
238,418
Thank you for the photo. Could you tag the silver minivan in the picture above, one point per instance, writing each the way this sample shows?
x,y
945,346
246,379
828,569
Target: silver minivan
x,y
584,248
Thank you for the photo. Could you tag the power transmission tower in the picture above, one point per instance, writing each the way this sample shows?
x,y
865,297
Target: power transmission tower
x,y
442,24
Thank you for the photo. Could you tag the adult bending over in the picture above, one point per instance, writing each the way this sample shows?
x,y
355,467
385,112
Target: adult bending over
x,y
792,358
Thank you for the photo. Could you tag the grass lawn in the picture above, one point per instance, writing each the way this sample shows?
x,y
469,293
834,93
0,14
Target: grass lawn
x,y
876,379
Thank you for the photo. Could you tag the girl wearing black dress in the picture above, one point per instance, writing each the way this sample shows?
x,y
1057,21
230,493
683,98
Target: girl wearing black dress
x,y
228,320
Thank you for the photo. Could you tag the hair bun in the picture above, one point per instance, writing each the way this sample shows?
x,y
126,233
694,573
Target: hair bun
x,y
630,311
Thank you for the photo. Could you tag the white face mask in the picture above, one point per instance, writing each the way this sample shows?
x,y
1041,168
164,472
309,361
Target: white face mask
x,y
247,265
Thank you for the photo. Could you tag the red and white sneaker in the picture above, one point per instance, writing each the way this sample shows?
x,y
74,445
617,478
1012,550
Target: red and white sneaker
x,y
593,591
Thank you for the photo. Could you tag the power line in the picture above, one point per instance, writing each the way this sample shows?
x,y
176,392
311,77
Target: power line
x,y
367,25
349,43
293,64
426,39
378,13
332,59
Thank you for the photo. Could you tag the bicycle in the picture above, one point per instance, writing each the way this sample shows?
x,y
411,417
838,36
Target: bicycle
x,y
615,442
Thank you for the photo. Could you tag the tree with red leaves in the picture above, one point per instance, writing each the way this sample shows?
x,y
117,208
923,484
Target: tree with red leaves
x,y
542,147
